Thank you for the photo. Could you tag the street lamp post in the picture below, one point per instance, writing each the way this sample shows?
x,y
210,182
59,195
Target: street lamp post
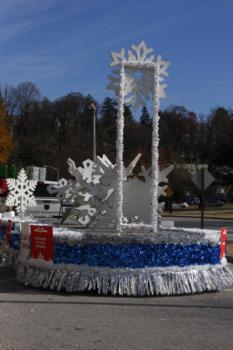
x,y
92,109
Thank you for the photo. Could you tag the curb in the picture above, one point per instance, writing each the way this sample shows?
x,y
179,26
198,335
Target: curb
x,y
196,217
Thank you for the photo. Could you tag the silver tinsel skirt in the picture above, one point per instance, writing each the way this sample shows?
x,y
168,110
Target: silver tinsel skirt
x,y
130,282
74,276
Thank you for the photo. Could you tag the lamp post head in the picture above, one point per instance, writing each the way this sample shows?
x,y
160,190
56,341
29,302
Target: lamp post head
x,y
92,107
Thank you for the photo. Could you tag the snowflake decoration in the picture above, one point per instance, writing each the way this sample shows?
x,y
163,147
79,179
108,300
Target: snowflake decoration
x,y
21,192
93,203
79,191
137,194
89,199
93,190
140,59
88,172
63,190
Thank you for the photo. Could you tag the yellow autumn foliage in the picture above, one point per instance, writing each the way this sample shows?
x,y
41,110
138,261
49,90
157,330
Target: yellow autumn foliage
x,y
6,142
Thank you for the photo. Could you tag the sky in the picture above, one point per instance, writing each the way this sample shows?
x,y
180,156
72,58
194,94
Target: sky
x,y
64,46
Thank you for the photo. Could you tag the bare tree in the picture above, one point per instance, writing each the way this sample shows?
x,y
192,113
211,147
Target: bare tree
x,y
27,94
8,95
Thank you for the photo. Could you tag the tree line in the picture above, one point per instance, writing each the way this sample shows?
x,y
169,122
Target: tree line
x,y
37,131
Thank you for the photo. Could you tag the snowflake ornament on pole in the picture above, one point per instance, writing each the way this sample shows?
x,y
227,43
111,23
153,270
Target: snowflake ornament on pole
x,y
138,89
136,92
21,193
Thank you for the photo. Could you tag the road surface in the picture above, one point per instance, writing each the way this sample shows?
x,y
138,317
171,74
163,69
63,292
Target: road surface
x,y
34,319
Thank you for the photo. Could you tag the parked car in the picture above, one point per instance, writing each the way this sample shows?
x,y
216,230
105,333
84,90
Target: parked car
x,y
183,205
47,204
195,201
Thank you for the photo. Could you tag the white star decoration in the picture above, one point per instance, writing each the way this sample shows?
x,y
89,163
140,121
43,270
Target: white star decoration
x,y
21,192
137,91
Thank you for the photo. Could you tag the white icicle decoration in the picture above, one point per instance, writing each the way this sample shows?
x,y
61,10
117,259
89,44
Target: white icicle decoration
x,y
155,154
120,148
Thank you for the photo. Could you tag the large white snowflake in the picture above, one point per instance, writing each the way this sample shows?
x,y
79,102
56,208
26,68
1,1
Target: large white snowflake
x,y
92,195
21,192
139,77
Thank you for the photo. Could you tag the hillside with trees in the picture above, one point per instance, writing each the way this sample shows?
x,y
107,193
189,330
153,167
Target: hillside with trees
x,y
38,131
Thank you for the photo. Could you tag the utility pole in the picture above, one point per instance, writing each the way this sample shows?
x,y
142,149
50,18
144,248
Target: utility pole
x,y
202,196
202,179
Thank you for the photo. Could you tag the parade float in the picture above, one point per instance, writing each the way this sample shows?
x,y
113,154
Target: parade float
x,y
110,238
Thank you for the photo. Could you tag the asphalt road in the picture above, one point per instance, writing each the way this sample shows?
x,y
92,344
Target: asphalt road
x,y
36,319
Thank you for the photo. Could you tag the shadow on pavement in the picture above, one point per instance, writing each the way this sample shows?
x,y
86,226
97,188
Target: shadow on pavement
x,y
136,304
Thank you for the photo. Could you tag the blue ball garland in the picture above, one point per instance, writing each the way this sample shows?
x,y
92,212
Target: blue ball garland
x,y
126,255
136,255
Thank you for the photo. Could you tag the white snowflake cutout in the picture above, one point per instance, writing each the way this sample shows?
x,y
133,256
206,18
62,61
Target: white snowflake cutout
x,y
21,192
73,170
137,91
105,161
163,174
163,65
63,189
85,213
89,172
117,57
140,53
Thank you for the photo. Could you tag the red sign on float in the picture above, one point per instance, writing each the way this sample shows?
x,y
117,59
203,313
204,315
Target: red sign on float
x,y
42,242
8,231
223,242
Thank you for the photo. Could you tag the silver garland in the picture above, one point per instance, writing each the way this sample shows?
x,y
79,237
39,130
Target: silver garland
x,y
171,236
130,282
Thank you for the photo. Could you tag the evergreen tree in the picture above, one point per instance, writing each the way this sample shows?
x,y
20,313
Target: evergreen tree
x,y
145,117
108,111
106,132
128,116
130,135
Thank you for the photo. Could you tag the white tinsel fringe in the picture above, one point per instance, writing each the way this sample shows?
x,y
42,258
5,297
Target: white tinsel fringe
x,y
130,282
9,257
